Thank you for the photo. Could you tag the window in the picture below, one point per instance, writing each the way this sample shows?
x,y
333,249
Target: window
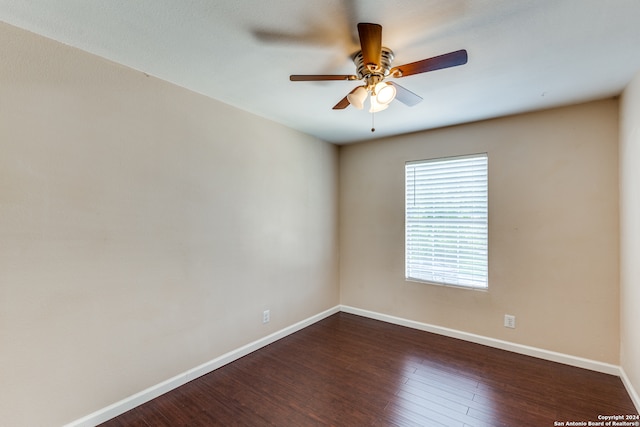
x,y
446,231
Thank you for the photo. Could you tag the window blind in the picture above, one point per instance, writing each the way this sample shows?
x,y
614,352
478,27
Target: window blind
x,y
446,221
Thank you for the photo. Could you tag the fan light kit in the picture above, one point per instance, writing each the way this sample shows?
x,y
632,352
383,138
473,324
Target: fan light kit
x,y
373,66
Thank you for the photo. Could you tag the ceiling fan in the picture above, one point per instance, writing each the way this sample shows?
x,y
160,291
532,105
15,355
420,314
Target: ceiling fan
x,y
373,66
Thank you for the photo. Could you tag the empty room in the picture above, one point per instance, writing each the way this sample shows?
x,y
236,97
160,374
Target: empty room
x,y
340,212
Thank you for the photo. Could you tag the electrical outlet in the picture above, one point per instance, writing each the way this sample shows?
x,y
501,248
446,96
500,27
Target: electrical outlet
x,y
266,316
509,321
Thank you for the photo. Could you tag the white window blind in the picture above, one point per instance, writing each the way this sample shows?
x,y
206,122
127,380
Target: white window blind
x,y
446,205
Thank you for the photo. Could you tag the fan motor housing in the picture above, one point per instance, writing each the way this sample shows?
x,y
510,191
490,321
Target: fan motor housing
x,y
386,58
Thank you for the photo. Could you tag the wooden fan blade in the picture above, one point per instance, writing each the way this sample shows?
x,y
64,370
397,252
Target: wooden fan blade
x,y
344,103
320,77
405,96
452,59
370,43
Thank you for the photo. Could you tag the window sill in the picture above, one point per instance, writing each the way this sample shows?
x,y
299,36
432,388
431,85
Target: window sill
x,y
446,285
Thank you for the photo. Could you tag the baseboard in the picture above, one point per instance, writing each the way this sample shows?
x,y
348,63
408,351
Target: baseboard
x,y
630,389
144,396
152,392
491,342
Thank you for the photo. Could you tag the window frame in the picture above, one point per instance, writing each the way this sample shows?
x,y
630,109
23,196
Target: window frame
x,y
479,221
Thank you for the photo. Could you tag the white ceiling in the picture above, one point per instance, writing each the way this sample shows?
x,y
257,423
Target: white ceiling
x,y
524,55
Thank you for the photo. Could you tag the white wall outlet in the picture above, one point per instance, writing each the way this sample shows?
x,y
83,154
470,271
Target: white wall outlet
x,y
266,316
509,321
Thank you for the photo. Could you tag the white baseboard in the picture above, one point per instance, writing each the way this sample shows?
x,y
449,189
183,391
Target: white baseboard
x,y
632,391
144,396
490,342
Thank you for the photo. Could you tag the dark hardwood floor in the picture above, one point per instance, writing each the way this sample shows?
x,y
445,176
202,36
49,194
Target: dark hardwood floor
x,y
347,370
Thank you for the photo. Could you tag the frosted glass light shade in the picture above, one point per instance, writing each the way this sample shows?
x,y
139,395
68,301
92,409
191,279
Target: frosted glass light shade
x,y
357,97
376,106
385,93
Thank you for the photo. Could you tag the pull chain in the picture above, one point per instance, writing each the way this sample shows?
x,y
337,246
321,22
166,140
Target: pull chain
x,y
373,129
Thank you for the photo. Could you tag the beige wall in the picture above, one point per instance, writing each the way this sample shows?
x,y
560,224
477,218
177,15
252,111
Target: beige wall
x,y
630,233
143,230
553,230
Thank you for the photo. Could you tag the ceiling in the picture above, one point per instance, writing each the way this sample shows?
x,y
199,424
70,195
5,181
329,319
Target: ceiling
x,y
524,55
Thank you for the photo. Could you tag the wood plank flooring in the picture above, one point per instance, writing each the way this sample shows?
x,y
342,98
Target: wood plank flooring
x,y
347,370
